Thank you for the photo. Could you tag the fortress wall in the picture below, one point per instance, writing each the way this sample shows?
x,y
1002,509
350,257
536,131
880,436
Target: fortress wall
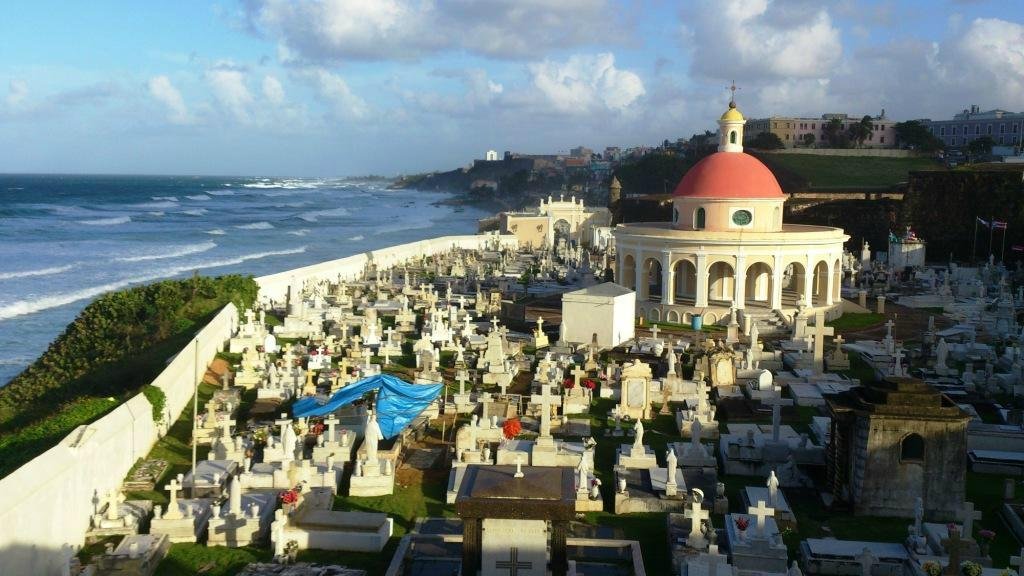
x,y
46,504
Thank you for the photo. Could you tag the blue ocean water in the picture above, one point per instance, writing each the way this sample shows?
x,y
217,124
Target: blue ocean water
x,y
66,239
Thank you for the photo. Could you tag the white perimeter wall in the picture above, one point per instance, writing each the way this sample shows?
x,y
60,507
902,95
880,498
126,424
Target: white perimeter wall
x,y
45,505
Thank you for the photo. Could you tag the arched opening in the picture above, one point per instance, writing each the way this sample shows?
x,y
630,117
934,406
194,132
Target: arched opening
x,y
654,315
819,288
672,316
732,137
685,280
698,218
562,234
652,280
628,278
793,278
912,448
758,288
721,278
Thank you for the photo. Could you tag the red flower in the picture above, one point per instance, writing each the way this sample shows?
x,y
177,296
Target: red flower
x,y
511,428
289,497
987,534
568,383
318,428
742,522
589,384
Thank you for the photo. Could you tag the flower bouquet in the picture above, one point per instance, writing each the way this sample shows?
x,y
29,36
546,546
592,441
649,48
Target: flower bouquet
x,y
511,428
969,568
931,568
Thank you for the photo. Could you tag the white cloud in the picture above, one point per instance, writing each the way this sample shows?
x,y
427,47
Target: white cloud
x,y
584,84
231,92
335,92
989,53
17,91
762,39
272,90
334,30
161,88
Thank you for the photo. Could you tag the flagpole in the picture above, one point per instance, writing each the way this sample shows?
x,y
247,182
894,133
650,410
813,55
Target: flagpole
x,y
1002,251
991,234
974,247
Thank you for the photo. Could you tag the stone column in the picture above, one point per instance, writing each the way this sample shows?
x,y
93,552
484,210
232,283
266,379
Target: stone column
x,y
471,540
830,285
740,279
880,306
776,296
862,298
808,282
559,563
701,290
668,279
638,262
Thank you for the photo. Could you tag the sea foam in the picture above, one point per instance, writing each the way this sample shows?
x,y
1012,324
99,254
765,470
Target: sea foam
x,y
255,226
113,221
173,252
39,272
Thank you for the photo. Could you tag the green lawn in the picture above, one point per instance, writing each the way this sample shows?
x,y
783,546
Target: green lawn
x,y
853,321
848,171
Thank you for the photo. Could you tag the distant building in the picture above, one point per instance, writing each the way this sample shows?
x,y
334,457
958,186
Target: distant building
x,y
491,156
1005,128
581,152
552,220
792,130
613,153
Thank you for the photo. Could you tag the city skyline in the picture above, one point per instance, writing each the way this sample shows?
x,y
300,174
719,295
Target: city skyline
x,y
345,88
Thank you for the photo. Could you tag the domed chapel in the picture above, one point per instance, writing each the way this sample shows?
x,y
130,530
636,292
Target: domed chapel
x,y
727,246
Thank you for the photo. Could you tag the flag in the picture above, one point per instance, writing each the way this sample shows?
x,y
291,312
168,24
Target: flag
x,y
982,221
997,225
1017,248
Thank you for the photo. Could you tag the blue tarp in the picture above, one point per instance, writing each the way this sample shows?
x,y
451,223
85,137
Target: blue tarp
x,y
398,402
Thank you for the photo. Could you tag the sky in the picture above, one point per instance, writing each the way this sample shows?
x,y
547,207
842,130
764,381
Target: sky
x,y
355,87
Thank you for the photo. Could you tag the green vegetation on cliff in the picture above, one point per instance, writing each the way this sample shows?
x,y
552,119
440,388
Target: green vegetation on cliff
x,y
116,345
806,171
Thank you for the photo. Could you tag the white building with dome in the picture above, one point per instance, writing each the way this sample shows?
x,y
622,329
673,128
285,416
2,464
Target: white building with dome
x,y
727,246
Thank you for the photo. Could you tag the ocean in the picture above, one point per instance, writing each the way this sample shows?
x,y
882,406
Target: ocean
x,y
66,239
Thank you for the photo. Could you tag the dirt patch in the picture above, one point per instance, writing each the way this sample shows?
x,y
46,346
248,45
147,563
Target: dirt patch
x,y
215,371
910,324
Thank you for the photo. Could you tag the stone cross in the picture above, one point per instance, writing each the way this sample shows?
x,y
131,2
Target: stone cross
x,y
173,511
513,564
546,401
820,331
897,367
697,515
225,429
462,377
967,516
113,500
715,559
777,404
888,327
519,467
577,374
954,546
867,559
761,512
654,331
390,333
331,422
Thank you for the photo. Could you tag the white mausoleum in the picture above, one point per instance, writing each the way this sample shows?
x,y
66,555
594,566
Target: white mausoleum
x,y
727,245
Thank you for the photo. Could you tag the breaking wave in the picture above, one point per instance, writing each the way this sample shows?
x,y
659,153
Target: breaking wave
x,y
39,272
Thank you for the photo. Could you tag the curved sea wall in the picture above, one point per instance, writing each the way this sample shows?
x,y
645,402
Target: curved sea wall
x,y
47,503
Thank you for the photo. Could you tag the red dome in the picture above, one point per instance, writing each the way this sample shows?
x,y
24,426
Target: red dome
x,y
729,175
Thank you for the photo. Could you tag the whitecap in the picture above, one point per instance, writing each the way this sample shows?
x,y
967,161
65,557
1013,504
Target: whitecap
x,y
167,198
113,221
357,238
174,252
39,272
157,213
308,217
198,197
216,232
195,212
256,226
300,232
222,192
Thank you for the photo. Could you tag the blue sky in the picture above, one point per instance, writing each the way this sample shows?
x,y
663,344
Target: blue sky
x,y
344,87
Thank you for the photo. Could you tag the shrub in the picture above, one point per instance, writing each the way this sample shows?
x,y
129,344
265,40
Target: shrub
x,y
157,399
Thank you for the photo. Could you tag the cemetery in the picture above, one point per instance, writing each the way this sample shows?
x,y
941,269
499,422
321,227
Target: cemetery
x,y
417,411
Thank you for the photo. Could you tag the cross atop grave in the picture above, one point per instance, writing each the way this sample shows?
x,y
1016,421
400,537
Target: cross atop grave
x,y
838,342
1018,561
494,323
967,516
519,467
390,333
697,515
513,564
225,429
654,331
954,546
715,559
888,327
331,422
577,374
820,331
867,560
461,377
777,403
173,511
113,500
283,421
897,366
546,401
760,512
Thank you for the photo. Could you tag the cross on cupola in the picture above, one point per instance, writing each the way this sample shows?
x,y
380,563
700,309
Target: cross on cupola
x,y
732,94
730,125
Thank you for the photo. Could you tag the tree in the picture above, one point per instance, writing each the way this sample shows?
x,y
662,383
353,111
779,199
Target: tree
x,y
833,133
860,131
808,139
981,146
766,141
915,135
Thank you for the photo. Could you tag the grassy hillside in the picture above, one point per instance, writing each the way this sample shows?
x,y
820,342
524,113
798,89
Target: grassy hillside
x,y
117,345
798,171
